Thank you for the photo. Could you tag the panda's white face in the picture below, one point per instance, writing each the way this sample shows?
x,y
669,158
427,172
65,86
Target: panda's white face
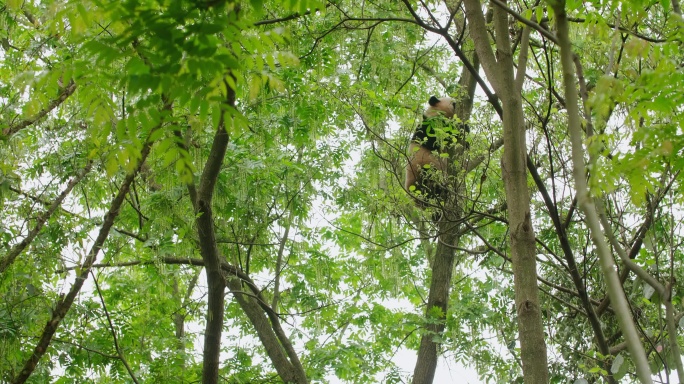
x,y
445,106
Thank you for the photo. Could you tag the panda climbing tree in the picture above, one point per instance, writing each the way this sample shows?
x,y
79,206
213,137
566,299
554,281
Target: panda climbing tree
x,y
426,169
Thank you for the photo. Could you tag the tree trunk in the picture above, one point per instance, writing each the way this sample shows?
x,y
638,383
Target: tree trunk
x,y
442,268
443,264
216,283
499,71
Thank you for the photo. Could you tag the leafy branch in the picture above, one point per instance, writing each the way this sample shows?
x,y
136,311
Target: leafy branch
x,y
64,94
62,306
9,258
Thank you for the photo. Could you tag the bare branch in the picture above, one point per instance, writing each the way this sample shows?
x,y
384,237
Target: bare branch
x,y
522,59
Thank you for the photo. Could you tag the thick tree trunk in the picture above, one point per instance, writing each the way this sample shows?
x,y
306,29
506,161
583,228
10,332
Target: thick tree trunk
x,y
216,283
438,298
523,248
499,71
443,264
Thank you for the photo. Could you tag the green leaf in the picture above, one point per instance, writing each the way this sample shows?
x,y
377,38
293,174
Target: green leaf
x,y
14,4
617,363
136,66
254,87
216,115
257,5
539,11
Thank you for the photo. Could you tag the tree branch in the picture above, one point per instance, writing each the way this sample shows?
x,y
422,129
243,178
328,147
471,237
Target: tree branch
x,y
522,59
586,203
204,220
6,261
621,29
63,305
570,260
63,95
293,16
119,352
525,21
478,32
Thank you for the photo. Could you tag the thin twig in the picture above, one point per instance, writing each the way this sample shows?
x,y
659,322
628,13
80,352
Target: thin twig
x,y
111,328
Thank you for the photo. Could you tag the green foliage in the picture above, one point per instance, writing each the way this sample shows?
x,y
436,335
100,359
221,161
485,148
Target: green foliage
x,y
317,148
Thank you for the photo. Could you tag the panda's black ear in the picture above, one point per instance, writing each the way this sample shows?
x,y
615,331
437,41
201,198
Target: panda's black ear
x,y
433,101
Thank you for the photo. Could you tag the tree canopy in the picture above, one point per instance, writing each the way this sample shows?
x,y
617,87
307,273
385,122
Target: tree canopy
x,y
212,191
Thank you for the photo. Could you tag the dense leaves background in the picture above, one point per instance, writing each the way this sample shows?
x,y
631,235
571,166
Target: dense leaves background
x,y
308,206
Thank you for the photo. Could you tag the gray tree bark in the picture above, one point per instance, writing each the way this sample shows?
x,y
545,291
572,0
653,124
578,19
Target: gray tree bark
x,y
499,71
443,263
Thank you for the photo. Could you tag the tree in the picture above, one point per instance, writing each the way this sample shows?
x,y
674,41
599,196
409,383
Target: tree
x,y
227,177
500,73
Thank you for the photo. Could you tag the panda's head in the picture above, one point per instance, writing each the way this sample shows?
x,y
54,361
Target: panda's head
x,y
445,106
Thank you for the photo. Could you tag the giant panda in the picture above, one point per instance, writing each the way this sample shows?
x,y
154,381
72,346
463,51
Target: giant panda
x,y
431,137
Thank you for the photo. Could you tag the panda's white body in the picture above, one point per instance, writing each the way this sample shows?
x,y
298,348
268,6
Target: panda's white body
x,y
424,144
